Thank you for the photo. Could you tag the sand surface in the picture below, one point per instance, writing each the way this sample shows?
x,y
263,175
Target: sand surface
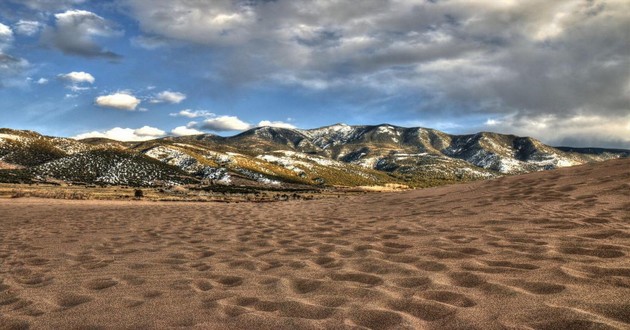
x,y
546,251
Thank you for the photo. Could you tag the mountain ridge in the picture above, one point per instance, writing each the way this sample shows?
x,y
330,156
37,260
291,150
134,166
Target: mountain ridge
x,y
337,154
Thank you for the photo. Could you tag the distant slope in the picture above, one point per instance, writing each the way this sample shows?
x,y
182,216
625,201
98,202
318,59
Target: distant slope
x,y
333,155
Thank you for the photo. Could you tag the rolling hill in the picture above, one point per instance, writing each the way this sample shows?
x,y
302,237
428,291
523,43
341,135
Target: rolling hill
x,y
337,155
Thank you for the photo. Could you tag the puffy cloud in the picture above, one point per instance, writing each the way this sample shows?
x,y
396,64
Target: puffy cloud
x,y
42,81
75,31
77,77
168,97
125,134
222,124
148,131
279,124
120,101
185,131
223,21
192,113
27,28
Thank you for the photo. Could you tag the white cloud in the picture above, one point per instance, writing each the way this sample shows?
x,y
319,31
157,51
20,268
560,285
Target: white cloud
x,y
222,123
168,97
184,131
125,134
492,122
193,113
149,131
27,28
5,32
6,36
75,32
78,77
42,81
224,22
120,100
212,122
279,124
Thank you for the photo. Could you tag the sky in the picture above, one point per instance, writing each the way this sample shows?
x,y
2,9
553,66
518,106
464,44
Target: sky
x,y
555,70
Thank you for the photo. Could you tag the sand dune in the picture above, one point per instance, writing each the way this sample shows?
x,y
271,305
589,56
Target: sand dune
x,y
544,250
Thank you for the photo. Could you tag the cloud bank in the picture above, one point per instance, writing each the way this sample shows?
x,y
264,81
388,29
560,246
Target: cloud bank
x,y
125,134
222,123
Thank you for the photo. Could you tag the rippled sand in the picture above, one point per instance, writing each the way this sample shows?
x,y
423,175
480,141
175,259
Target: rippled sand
x,y
545,250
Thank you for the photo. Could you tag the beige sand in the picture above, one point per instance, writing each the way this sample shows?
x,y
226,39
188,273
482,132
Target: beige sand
x,y
545,250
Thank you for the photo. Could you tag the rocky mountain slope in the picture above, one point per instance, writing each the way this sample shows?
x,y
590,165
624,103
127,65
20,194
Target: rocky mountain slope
x,y
339,155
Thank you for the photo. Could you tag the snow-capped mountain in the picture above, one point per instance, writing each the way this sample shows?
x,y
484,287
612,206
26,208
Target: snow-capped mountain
x,y
334,155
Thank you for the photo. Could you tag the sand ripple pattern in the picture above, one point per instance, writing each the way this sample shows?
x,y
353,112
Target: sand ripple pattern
x,y
543,251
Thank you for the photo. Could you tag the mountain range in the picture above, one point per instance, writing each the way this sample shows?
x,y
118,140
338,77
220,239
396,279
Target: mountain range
x,y
337,155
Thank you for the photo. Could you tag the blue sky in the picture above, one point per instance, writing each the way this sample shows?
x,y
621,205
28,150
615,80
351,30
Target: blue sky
x,y
139,69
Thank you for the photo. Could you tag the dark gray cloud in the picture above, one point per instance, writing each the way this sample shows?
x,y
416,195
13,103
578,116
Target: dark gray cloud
x,y
75,33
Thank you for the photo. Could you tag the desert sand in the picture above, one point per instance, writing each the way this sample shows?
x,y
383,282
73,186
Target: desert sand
x,y
546,250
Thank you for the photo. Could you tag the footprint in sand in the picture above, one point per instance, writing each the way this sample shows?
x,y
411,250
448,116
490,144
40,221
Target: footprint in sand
x,y
100,283
376,318
230,280
303,286
133,279
68,300
328,262
466,279
201,266
202,285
